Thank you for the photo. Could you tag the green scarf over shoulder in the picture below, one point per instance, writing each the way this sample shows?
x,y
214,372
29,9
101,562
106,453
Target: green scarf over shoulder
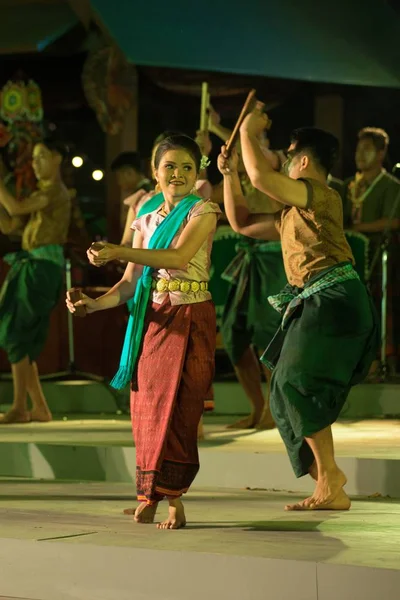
x,y
160,240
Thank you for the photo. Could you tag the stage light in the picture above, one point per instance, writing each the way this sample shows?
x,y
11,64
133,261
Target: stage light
x,y
77,161
97,175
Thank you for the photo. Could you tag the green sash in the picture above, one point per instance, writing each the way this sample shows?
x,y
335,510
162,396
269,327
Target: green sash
x,y
160,240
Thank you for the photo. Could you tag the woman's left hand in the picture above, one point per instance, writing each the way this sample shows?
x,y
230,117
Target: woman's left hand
x,y
256,121
104,254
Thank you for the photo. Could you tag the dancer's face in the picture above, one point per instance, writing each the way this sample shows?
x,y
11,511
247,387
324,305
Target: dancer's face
x,y
367,156
176,174
45,162
296,163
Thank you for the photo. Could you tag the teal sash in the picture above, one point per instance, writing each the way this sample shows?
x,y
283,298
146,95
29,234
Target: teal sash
x,y
160,240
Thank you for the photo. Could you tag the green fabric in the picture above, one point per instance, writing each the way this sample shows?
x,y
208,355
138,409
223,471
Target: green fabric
x,y
161,239
287,300
351,43
328,345
28,295
256,272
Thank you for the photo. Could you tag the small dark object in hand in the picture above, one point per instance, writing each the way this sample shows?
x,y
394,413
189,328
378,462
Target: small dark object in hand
x,y
75,294
97,246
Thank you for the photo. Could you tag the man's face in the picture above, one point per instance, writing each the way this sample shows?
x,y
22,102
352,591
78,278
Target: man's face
x,y
294,164
127,179
45,163
367,156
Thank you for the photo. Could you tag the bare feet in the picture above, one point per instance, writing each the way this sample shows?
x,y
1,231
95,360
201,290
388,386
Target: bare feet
x,y
328,495
42,415
15,415
144,513
176,516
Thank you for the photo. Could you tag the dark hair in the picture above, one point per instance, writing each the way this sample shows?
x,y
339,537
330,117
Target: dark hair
x,y
164,135
178,142
127,159
55,145
321,145
378,137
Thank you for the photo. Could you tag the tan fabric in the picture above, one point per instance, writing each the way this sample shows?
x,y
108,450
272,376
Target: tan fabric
x,y
49,225
313,238
198,269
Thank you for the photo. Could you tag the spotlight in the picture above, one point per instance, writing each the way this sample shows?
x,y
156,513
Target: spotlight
x,y
77,161
97,175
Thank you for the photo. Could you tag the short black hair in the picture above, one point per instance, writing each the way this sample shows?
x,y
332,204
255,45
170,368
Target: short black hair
x,y
178,142
321,145
127,159
378,137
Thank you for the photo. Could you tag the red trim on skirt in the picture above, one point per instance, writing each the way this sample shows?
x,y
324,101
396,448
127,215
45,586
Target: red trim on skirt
x,y
173,379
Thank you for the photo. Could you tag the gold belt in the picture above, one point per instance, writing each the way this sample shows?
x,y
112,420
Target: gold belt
x,y
177,285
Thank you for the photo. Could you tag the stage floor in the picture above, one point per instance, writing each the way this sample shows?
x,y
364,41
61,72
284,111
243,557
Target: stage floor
x,y
48,524
361,439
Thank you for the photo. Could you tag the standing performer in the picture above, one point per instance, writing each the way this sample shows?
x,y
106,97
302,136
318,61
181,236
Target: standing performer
x,y
248,321
328,336
34,282
175,359
371,206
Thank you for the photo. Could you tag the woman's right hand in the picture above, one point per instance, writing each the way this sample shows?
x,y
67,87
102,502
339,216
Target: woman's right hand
x,y
89,303
93,259
226,165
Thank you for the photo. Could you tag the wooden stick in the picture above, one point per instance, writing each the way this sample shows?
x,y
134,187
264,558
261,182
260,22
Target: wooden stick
x,y
247,107
204,106
75,294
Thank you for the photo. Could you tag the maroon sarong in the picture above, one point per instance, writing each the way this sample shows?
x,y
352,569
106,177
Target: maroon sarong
x,y
174,377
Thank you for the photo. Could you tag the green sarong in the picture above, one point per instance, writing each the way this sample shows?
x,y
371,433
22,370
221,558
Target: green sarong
x,y
29,293
328,340
256,272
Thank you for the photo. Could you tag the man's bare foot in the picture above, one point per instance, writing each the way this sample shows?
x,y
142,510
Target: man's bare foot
x,y
144,513
176,516
266,422
328,495
246,423
42,415
15,415
303,505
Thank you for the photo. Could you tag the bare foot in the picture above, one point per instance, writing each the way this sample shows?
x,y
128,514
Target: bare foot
x,y
266,422
303,505
328,495
15,416
145,513
42,415
246,423
176,516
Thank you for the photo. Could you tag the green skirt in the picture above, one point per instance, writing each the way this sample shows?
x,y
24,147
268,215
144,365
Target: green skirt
x,y
327,347
28,295
248,319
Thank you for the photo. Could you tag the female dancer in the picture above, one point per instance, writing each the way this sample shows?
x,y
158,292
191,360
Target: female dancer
x,y
169,349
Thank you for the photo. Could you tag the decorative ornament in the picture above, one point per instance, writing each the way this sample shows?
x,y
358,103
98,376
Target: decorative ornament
x,y
205,162
109,83
34,106
21,109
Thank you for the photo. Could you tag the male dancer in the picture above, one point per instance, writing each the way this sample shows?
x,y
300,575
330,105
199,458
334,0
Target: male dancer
x,y
34,282
328,336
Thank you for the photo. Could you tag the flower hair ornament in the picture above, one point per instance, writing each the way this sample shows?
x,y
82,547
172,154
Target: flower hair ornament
x,y
204,163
